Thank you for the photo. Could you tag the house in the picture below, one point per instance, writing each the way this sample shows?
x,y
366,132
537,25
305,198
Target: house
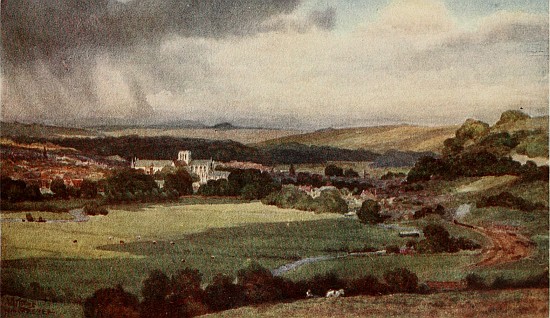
x,y
151,166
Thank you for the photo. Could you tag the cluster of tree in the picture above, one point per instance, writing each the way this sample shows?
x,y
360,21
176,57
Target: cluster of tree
x,y
479,150
182,295
250,184
476,282
474,165
88,189
508,200
424,211
317,181
17,191
438,240
369,212
393,175
129,185
335,171
290,197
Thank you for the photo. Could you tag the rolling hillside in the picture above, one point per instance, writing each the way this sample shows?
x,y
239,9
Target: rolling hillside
x,y
379,139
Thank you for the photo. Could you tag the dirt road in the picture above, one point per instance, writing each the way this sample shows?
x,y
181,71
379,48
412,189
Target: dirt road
x,y
506,245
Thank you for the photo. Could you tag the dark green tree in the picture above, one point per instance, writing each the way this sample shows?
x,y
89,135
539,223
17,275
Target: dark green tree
x,y
179,181
333,171
369,213
59,188
88,189
111,303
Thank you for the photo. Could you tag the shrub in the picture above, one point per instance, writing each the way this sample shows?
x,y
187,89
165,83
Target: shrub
x,y
401,280
93,208
508,200
367,285
88,189
111,303
259,284
369,213
320,283
392,249
222,294
333,171
29,217
474,281
59,188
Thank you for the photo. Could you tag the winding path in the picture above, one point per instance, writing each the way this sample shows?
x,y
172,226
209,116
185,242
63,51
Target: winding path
x,y
505,245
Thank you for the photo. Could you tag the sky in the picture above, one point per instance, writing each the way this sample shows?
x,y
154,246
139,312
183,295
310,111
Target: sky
x,y
273,63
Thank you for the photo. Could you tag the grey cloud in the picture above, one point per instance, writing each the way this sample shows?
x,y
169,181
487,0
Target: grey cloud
x,y
47,29
324,19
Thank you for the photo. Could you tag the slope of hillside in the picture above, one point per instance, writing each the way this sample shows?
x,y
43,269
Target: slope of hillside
x,y
378,139
16,129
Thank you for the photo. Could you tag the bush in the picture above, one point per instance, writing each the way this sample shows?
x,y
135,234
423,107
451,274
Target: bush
x,y
59,188
93,208
401,280
369,213
333,171
367,285
88,189
112,303
474,281
222,294
392,249
258,284
29,217
319,284
508,200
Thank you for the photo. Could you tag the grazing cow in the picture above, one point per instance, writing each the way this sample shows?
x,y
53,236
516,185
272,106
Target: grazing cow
x,y
212,256
172,243
183,260
335,293
154,242
309,294
110,238
121,242
138,237
75,241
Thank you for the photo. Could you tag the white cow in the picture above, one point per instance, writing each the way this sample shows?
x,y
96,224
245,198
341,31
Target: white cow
x,y
335,293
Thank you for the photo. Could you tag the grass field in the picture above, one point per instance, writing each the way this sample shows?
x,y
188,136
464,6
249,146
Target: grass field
x,y
503,303
152,223
215,239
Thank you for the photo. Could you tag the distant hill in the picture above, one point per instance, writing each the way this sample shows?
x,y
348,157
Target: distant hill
x,y
218,132
15,129
378,139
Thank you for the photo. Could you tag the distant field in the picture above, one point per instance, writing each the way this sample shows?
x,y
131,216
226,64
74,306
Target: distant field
x,y
378,139
502,303
245,135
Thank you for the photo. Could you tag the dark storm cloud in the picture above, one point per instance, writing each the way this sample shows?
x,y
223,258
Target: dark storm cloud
x,y
49,29
324,19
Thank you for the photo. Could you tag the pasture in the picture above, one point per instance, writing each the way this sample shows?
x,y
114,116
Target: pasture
x,y
218,238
